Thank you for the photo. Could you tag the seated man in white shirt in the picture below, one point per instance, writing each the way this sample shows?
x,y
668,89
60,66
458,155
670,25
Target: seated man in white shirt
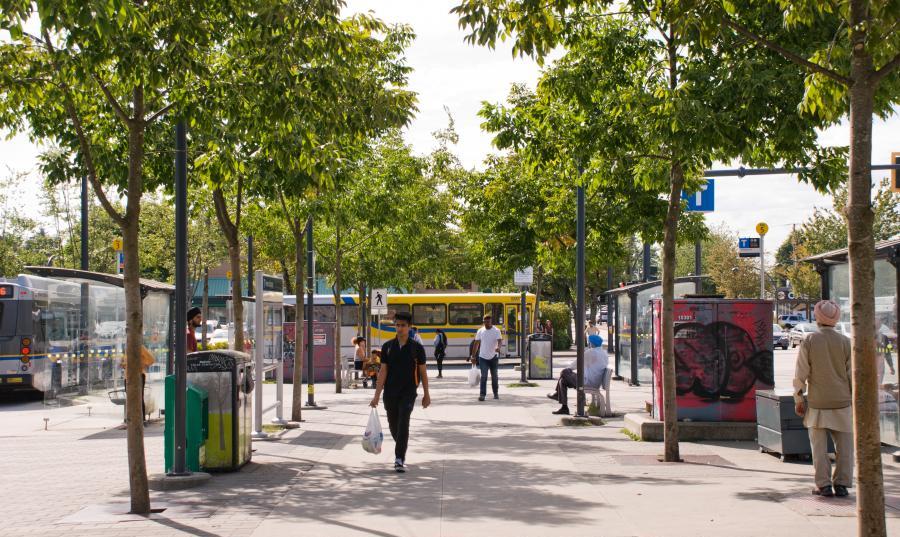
x,y
595,362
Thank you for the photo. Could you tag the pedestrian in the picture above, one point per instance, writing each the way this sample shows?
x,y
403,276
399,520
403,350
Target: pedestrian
x,y
414,333
359,353
823,370
548,327
595,363
402,368
591,330
195,319
486,353
147,360
440,350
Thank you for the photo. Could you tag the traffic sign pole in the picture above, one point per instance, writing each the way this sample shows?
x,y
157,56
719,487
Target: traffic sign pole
x,y
762,228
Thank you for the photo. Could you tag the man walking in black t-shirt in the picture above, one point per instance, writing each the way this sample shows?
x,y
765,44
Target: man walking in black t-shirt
x,y
402,367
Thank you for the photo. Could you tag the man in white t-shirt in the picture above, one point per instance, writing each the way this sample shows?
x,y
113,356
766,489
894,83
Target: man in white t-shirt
x,y
486,353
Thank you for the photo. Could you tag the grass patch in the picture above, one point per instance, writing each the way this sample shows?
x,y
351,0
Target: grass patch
x,y
523,385
631,435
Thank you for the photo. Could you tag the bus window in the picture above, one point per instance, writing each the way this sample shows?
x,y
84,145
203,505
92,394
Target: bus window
x,y
496,313
429,314
324,313
349,315
466,313
393,309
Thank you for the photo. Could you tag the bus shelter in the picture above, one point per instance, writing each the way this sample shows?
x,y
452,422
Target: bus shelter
x,y
84,324
630,321
834,271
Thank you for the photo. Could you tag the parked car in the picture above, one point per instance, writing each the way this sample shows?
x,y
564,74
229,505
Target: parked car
x,y
790,320
779,337
602,315
800,332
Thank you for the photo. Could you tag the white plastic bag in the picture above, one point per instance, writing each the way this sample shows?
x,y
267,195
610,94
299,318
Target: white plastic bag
x,y
373,437
474,376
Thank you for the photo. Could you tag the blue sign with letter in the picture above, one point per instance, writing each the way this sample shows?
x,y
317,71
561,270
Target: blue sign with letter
x,y
748,247
703,201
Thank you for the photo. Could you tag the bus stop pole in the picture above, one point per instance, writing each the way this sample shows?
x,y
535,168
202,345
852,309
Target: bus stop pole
x,y
579,315
522,338
310,285
178,464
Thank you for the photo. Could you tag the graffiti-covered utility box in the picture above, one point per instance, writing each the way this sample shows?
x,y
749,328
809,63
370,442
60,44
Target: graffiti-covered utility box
x,y
723,355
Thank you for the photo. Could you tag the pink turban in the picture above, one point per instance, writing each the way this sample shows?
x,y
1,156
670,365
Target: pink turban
x,y
827,313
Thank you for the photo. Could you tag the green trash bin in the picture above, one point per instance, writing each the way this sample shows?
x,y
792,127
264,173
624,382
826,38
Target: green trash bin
x,y
196,425
227,376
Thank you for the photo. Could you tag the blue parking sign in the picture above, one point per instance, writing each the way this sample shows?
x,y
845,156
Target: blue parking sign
x,y
704,200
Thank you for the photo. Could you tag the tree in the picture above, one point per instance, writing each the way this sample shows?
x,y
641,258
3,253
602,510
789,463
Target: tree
x,y
654,104
851,53
95,79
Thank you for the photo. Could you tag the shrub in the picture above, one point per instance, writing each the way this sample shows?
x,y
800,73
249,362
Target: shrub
x,y
561,317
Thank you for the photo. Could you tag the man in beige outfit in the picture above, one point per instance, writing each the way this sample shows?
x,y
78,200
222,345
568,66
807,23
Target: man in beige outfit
x,y
823,370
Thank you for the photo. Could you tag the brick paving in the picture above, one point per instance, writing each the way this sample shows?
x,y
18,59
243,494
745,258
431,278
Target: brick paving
x,y
500,467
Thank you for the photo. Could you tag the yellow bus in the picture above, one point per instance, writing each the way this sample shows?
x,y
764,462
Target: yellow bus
x,y
459,315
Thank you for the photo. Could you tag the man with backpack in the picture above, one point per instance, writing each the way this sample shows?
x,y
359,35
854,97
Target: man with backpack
x,y
440,350
402,367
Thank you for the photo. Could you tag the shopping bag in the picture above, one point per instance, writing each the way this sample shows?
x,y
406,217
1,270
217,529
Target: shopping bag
x,y
373,437
474,376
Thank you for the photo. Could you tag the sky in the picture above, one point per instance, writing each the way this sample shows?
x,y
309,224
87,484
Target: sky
x,y
451,75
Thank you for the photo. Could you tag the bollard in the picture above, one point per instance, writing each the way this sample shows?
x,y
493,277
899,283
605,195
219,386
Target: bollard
x,y
89,410
46,421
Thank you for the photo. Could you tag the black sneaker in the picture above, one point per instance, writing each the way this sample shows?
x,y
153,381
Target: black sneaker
x,y
481,398
496,396
553,396
399,466
564,411
841,491
825,491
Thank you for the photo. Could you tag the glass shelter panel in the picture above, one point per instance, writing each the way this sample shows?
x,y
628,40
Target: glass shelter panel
x,y
623,351
885,338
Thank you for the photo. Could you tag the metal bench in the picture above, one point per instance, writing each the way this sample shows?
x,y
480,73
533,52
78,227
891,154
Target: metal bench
x,y
602,393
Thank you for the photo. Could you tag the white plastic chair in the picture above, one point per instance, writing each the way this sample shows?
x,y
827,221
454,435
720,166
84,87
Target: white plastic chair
x,y
602,393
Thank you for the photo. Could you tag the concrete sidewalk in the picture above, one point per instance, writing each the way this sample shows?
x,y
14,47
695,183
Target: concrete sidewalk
x,y
494,468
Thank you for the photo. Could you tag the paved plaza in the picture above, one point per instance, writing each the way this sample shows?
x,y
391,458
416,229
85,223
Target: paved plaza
x,y
495,468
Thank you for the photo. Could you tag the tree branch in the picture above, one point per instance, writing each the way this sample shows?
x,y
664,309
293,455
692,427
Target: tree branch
x,y
153,117
886,69
69,105
787,54
294,223
120,112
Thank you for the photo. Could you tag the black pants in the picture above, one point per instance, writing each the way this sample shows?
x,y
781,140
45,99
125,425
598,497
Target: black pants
x,y
398,409
567,379
485,366
439,358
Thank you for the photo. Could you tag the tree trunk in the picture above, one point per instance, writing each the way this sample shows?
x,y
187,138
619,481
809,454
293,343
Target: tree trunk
x,y
670,407
205,307
299,286
134,317
286,276
337,310
861,242
231,232
539,281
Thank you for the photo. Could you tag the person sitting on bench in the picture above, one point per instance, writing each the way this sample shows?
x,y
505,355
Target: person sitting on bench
x,y
595,362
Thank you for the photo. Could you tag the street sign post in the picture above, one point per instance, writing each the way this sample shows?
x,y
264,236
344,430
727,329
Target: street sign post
x,y
748,247
762,228
702,201
379,302
524,277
